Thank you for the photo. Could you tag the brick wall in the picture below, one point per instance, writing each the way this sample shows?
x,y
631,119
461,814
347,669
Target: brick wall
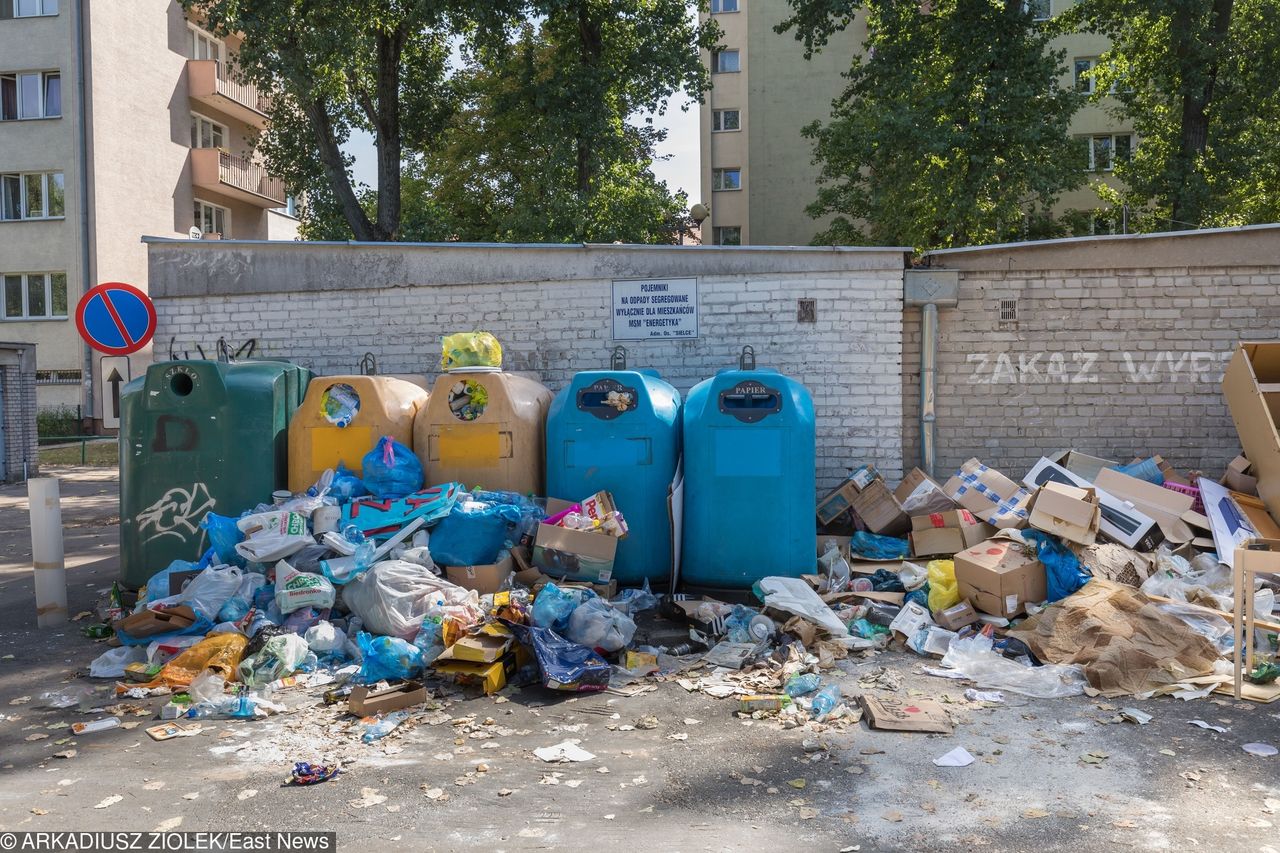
x,y
18,386
325,305
1118,348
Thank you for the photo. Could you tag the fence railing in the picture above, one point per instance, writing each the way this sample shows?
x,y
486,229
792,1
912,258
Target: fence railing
x,y
242,93
242,173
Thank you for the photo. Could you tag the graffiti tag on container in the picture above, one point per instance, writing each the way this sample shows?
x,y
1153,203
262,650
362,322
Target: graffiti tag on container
x,y
177,513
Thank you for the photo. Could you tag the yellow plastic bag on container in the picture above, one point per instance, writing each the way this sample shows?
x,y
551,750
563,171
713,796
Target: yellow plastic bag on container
x,y
470,349
943,589
219,653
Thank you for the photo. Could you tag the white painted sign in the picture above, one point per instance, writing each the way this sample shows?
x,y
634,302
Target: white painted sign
x,y
116,373
655,308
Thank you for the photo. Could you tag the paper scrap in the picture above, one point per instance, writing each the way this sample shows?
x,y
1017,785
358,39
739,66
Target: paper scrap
x,y
958,757
564,751
983,695
1133,715
1202,724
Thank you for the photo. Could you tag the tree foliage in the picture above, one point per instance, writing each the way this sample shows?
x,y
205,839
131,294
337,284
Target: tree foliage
x,y
1198,79
952,129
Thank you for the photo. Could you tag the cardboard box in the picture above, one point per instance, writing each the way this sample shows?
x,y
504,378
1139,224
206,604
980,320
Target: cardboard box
x,y
486,646
897,714
1252,388
840,499
880,510
489,677
1083,465
920,494
957,616
947,532
1237,477
575,554
989,495
1164,505
364,701
148,623
999,578
486,579
1069,512
1121,521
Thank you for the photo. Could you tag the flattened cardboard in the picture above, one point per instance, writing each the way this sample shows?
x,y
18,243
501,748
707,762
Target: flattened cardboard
x,y
880,510
365,702
920,494
1121,521
1255,512
989,495
1253,397
1164,505
486,579
148,623
1070,512
897,714
997,577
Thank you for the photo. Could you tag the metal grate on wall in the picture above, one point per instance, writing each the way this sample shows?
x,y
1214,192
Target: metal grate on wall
x,y
58,377
1008,312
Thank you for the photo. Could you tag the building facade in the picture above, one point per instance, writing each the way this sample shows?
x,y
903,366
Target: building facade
x,y
758,174
116,120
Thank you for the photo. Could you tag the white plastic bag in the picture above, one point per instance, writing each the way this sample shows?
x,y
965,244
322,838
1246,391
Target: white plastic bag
x,y
207,591
912,575
208,686
796,596
279,656
271,536
111,663
394,596
295,589
976,659
323,637
596,625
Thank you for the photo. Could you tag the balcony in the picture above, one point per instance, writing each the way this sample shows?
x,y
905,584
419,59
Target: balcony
x,y
235,177
210,82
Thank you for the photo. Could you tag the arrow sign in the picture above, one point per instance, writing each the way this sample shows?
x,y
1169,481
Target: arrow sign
x,y
115,371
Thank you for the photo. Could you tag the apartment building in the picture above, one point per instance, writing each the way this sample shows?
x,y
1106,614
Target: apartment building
x,y
117,119
758,174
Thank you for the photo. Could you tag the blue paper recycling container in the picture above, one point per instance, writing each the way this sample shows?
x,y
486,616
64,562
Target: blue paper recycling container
x,y
619,431
749,479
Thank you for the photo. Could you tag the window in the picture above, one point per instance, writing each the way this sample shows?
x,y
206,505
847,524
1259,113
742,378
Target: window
x,y
722,120
58,377
724,62
726,179
727,235
35,296
30,95
204,46
206,133
1083,76
1038,9
720,6
1106,150
27,8
212,219
38,195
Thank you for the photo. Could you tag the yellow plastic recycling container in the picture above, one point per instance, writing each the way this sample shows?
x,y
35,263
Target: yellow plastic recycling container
x,y
342,418
485,429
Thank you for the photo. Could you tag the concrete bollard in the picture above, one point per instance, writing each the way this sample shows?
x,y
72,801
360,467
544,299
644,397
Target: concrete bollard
x,y
47,558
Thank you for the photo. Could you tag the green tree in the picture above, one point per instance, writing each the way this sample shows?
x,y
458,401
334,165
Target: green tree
x,y
379,66
1198,79
952,129
555,141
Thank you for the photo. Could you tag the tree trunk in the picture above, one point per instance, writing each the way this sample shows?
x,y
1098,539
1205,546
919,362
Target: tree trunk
x,y
336,169
590,47
1196,101
387,131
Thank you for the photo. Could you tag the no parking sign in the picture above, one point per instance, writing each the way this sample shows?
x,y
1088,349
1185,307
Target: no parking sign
x,y
116,318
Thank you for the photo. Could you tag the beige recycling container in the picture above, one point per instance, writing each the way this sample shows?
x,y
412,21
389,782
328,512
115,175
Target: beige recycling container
x,y
342,418
485,429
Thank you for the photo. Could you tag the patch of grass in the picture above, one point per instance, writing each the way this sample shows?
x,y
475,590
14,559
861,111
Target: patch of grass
x,y
102,454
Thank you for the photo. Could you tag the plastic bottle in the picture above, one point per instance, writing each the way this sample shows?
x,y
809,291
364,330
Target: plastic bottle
x,y
383,726
825,702
364,554
799,685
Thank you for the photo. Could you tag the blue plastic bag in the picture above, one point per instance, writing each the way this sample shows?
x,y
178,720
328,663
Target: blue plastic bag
x,y
391,470
553,606
564,665
346,485
1062,570
224,535
387,657
875,547
474,532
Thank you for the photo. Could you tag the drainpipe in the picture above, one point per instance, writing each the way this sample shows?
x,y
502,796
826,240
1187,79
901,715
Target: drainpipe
x,y
929,289
82,169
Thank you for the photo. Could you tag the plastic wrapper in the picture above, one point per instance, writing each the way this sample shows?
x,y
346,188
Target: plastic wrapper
x,y
563,665
279,656
207,687
387,657
111,663
976,659
944,592
596,625
1062,571
295,589
374,517
272,536
793,595
224,535
632,601
391,470
474,532
323,637
875,547
218,653
469,349
394,596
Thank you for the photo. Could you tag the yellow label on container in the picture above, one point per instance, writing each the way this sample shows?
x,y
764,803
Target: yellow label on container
x,y
474,444
329,445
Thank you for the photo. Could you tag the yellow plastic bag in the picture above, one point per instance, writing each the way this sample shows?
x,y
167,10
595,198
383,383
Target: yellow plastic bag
x,y
470,349
220,653
944,592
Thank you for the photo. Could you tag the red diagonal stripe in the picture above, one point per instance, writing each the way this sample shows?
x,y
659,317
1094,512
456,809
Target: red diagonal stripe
x,y
115,317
